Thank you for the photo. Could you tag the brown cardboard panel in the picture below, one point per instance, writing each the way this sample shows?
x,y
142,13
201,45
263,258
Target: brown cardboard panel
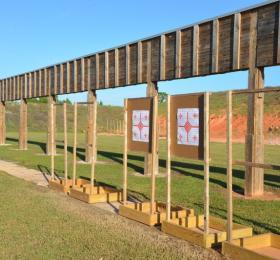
x,y
139,104
187,101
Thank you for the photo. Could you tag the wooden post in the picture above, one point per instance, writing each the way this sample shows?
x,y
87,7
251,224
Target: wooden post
x,y
206,163
93,153
2,122
52,140
229,166
254,177
23,125
168,163
154,152
92,100
75,147
65,144
125,154
51,120
152,91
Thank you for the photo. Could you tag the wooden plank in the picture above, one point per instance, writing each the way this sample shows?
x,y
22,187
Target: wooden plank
x,y
139,62
82,74
168,163
23,125
40,83
51,148
116,67
229,166
127,64
55,80
68,76
94,134
65,144
125,154
162,57
195,49
52,140
45,81
258,165
61,79
75,76
106,69
178,54
215,46
30,85
75,146
236,42
89,72
2,123
97,70
206,163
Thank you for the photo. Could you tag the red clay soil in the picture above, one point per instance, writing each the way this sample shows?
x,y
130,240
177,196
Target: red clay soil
x,y
239,126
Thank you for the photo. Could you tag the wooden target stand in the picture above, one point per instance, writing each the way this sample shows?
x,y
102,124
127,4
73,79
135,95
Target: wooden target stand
x,y
60,184
261,247
203,230
150,213
90,192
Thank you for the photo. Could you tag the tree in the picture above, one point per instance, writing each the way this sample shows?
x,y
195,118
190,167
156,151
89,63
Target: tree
x,y
162,97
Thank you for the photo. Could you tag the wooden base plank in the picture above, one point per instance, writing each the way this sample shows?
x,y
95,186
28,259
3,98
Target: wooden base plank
x,y
59,184
260,247
191,229
141,212
99,194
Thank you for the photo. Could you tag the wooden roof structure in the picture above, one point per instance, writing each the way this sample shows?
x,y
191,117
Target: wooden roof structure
x,y
219,45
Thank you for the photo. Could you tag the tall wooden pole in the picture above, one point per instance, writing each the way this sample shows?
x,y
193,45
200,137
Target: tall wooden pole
x,y
2,122
125,154
65,144
154,152
206,163
254,177
23,125
168,163
52,141
93,148
51,120
229,165
75,146
92,100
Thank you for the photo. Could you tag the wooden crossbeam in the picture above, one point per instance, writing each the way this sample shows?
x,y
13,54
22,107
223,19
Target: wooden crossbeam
x,y
257,165
215,46
236,42
195,49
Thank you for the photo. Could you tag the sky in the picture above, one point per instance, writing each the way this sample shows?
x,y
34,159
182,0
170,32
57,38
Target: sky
x,y
36,33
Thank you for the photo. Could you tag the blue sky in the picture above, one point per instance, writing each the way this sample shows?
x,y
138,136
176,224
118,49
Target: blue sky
x,y
39,33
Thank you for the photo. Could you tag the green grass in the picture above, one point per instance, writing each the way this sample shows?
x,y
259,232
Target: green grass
x,y
187,176
36,223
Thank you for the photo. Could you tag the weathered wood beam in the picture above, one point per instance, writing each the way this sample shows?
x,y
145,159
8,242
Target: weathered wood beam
x,y
68,76
139,62
82,74
61,79
162,56
97,70
195,49
106,69
236,42
23,125
178,54
127,64
116,67
215,46
55,87
75,76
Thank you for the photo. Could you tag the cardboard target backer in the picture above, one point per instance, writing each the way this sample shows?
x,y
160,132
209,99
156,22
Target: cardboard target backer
x,y
139,124
187,125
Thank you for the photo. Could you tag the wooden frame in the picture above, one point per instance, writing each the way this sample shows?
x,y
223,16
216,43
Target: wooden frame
x,y
89,191
153,212
203,230
265,246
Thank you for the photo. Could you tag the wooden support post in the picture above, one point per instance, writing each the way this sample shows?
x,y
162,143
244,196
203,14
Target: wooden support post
x,y
2,122
254,177
168,163
75,146
154,153
91,122
93,148
125,155
23,125
229,166
206,163
52,140
65,144
51,120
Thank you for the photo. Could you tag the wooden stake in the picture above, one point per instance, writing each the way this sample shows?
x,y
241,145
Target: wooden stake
x,y
168,163
154,153
94,154
229,165
206,163
75,146
125,155
2,122
65,144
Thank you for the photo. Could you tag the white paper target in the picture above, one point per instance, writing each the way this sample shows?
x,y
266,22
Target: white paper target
x,y
188,126
140,125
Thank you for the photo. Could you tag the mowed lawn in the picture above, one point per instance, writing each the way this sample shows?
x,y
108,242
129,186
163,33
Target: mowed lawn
x,y
187,176
37,223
